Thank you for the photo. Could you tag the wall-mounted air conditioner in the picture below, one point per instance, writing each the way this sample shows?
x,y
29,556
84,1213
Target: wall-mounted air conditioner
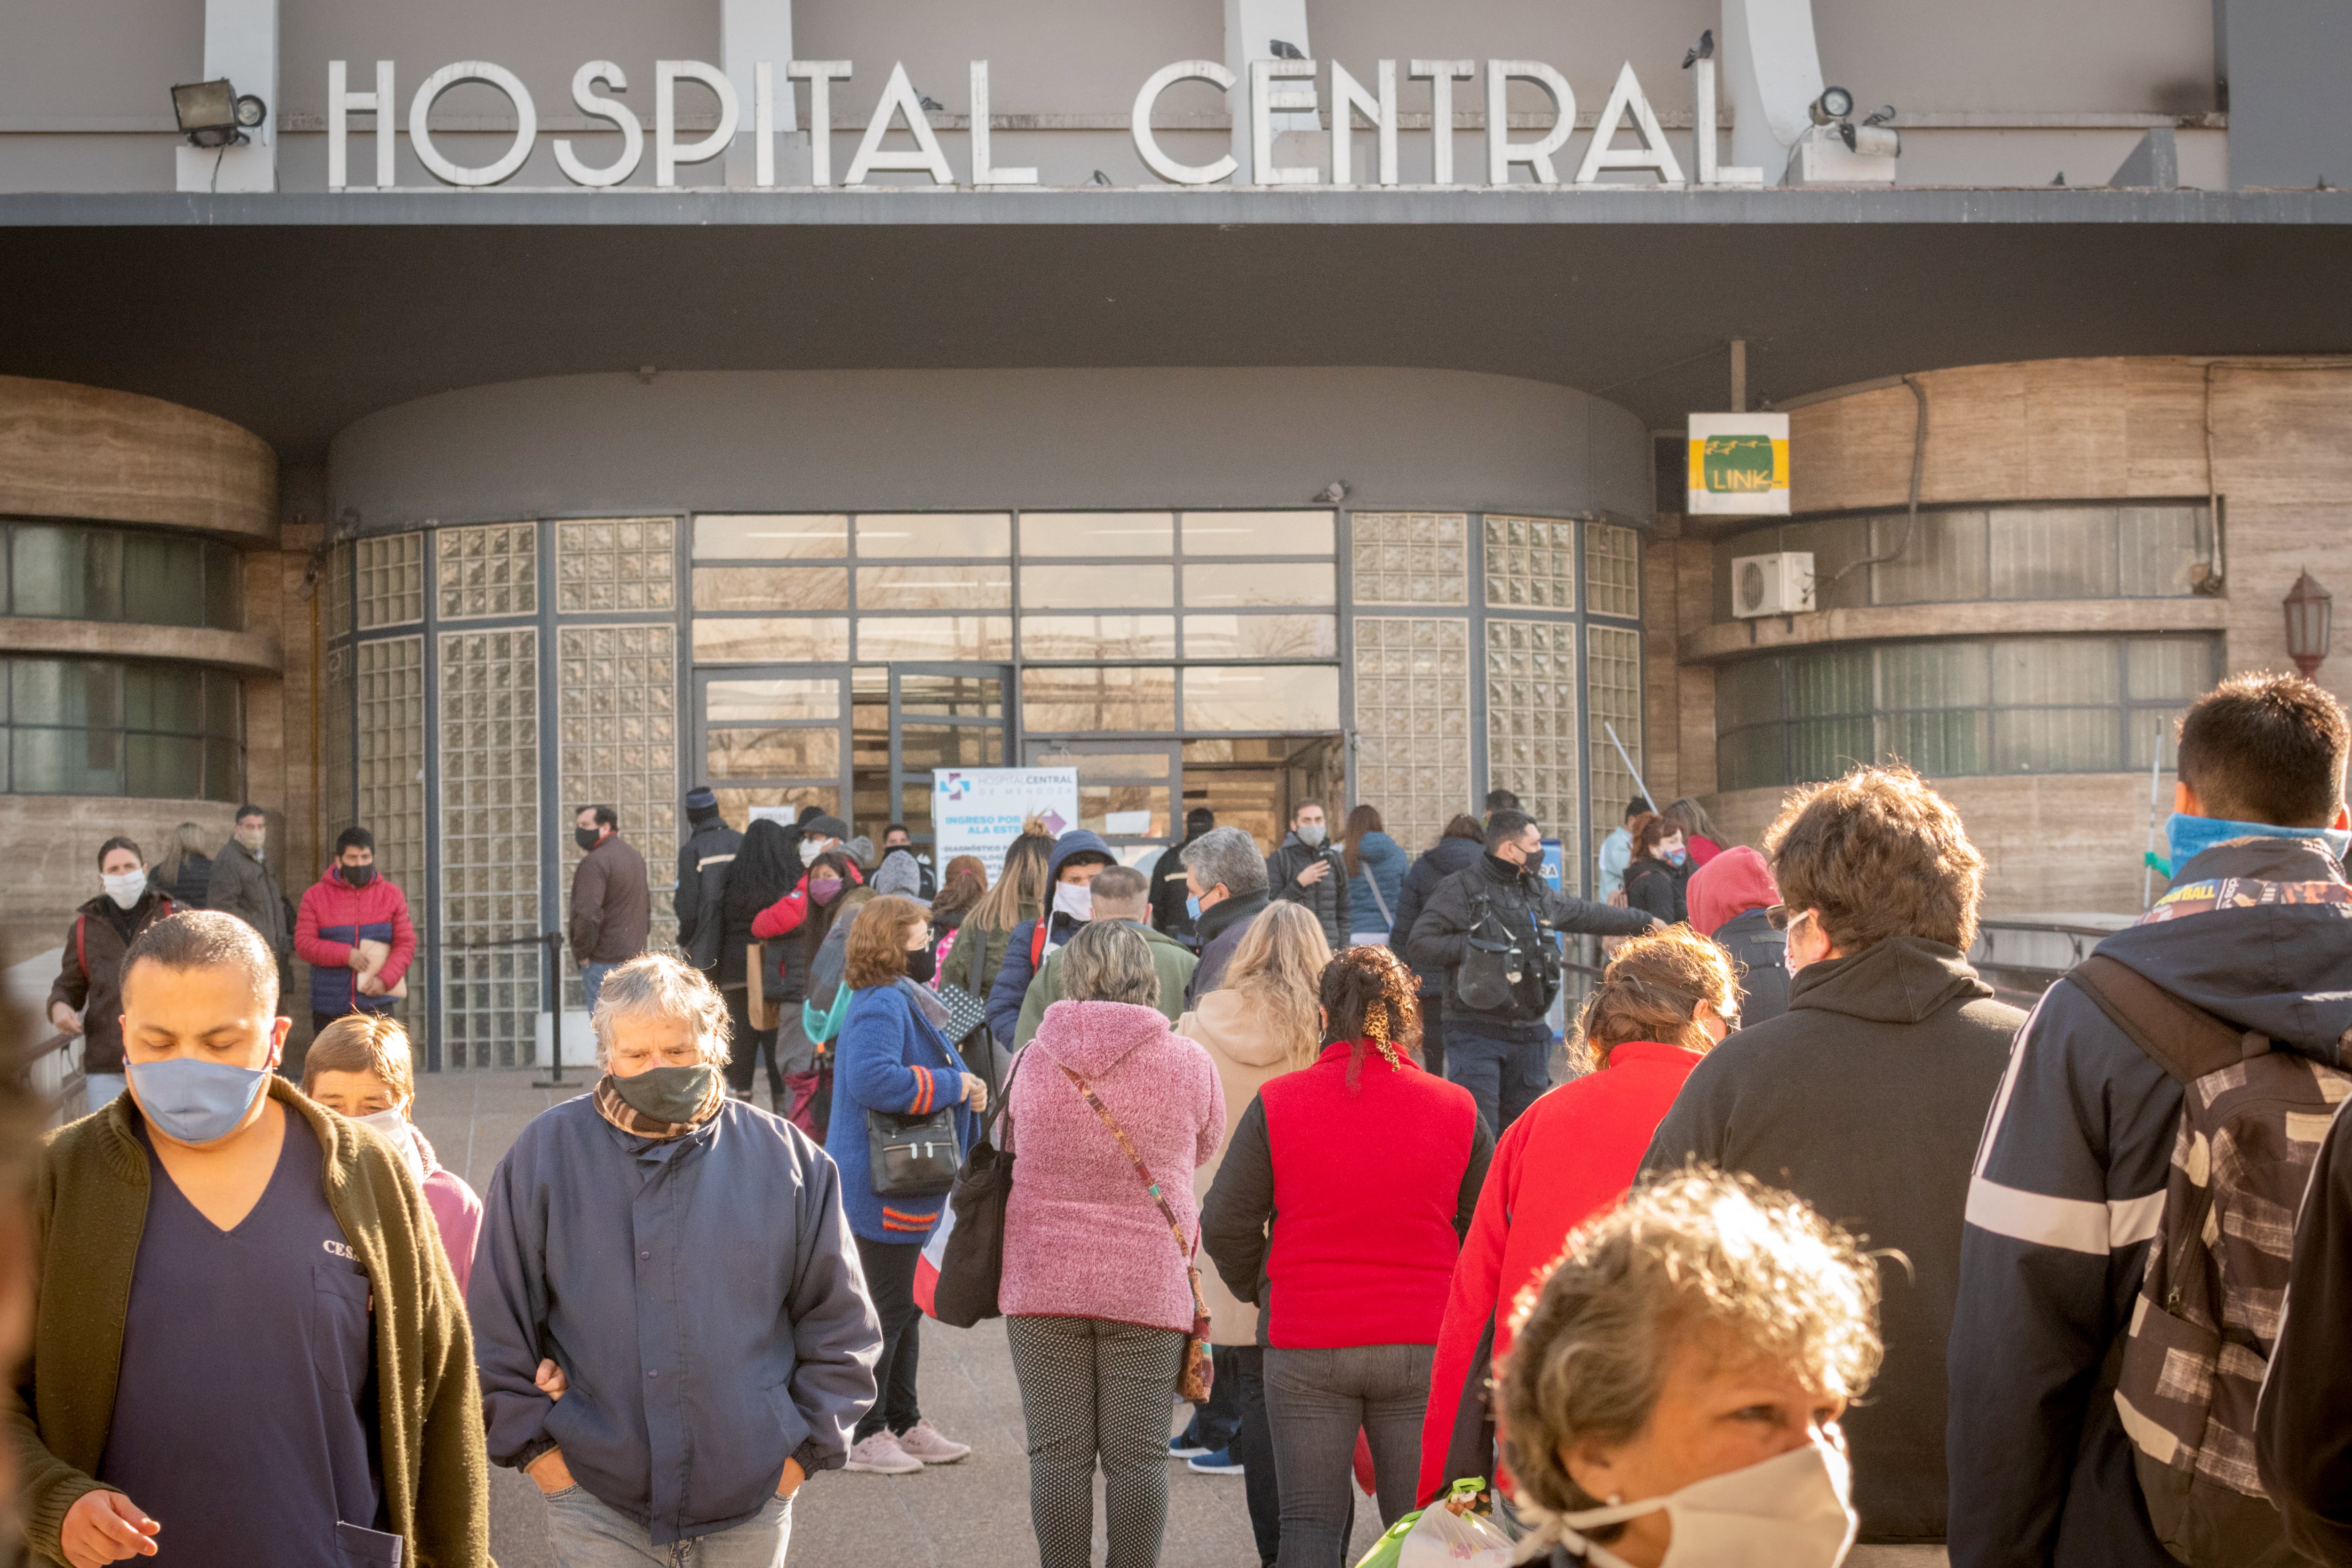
x,y
1777,584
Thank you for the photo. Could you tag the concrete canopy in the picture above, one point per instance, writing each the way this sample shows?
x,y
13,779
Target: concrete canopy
x,y
296,314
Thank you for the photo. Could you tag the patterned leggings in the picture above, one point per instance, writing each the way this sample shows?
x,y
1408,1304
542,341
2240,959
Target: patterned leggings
x,y
1087,1388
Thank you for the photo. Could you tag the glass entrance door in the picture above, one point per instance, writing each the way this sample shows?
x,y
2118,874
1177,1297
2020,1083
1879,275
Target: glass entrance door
x,y
774,736
941,716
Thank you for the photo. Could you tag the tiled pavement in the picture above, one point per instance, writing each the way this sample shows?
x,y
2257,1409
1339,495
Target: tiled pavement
x,y
974,1515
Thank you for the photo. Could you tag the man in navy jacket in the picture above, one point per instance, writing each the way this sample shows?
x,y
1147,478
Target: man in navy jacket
x,y
670,1321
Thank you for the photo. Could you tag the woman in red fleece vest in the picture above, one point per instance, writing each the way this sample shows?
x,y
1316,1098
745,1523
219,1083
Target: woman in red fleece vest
x,y
1338,1210
1665,1000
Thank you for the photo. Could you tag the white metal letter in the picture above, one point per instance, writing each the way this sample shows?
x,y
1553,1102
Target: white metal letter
x,y
1442,75
1654,153
1773,68
751,34
1264,99
983,171
420,134
340,105
1501,151
590,102
668,154
820,75
1147,145
1347,94
898,98
1710,172
763,123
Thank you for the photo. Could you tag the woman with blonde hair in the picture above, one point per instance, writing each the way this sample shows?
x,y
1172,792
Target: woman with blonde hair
x,y
976,952
1665,999
1262,1022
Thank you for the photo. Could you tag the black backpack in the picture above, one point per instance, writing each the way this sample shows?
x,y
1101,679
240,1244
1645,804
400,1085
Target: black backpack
x,y
1505,972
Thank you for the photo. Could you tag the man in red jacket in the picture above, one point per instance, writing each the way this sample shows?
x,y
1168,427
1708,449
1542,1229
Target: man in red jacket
x,y
353,931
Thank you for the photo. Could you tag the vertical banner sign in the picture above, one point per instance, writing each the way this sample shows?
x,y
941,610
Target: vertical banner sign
x,y
1738,465
978,811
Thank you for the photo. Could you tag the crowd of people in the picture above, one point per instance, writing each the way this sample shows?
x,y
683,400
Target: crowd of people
x,y
1818,1250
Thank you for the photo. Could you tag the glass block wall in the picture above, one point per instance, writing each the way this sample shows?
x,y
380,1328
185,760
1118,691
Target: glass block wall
x,y
616,563
1413,722
392,580
1412,557
1530,562
1531,703
617,717
1612,683
492,570
390,776
488,738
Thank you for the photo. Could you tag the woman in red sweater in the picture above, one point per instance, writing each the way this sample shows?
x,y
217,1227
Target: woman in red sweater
x,y
1666,999
1338,1209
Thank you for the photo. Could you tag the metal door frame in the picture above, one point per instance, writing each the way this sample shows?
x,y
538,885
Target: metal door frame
x,y
838,673
1032,754
1006,703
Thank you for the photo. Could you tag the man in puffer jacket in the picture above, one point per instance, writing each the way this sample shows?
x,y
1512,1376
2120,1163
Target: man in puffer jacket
x,y
1070,871
350,904
1456,849
1304,869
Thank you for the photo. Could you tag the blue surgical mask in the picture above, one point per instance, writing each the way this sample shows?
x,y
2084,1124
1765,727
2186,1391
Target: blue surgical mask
x,y
1192,906
1676,856
193,1100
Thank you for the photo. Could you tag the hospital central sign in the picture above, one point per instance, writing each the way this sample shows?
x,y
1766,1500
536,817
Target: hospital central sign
x,y
1286,89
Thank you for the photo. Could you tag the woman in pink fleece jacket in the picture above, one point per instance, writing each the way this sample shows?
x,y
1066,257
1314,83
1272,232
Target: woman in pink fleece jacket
x,y
1096,1295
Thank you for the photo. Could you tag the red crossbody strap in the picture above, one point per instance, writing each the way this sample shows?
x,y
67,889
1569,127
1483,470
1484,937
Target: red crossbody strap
x,y
1175,1227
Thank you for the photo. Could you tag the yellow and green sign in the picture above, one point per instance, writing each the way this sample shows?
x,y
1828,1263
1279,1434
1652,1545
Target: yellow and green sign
x,y
1739,463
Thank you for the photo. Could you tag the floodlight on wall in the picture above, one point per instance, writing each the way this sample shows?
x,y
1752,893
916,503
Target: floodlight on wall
x,y
1833,105
2309,608
214,114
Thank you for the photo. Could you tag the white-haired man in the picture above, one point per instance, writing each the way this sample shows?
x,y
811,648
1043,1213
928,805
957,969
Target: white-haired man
x,y
670,1321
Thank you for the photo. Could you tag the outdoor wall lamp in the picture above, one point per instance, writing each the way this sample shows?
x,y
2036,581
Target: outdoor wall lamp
x,y
214,114
2308,606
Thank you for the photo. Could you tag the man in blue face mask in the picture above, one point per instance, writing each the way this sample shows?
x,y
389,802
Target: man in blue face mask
x,y
250,1346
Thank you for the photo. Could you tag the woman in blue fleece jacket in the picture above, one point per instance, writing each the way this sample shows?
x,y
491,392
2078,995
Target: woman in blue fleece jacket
x,y
891,1056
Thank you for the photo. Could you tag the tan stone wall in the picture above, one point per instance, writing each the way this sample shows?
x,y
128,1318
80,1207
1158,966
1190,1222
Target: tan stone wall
x,y
51,844
2057,843
85,452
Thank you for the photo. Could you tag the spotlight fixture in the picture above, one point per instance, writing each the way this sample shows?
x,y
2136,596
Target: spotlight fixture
x,y
214,114
1833,105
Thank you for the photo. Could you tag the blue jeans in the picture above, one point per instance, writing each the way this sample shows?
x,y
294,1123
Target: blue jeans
x,y
101,1089
581,1532
591,981
1504,1077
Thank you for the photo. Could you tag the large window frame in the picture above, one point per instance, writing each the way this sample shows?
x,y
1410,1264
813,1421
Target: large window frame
x,y
126,574
131,719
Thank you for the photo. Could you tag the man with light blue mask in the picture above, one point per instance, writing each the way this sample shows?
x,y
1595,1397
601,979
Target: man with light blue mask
x,y
250,1346
2070,1189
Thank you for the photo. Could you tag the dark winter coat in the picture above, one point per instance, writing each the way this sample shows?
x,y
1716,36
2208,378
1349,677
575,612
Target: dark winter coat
x,y
1170,888
2299,1435
612,909
703,862
1327,900
1658,888
1439,861
1865,1099
1519,897
2069,1190
335,918
1761,955
90,978
1221,928
248,888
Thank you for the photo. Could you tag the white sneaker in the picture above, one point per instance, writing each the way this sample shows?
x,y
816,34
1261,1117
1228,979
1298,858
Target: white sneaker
x,y
927,1443
880,1455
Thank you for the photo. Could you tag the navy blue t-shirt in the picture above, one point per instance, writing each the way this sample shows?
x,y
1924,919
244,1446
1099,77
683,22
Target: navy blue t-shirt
x,y
244,1413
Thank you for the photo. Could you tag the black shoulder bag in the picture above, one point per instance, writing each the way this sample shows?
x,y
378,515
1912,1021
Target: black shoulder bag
x,y
971,1264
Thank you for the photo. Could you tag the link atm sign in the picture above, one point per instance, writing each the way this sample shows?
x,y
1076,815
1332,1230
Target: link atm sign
x,y
1297,91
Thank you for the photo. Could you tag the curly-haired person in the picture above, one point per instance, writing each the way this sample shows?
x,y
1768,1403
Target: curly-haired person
x,y
1376,1166
1665,1001
1676,1389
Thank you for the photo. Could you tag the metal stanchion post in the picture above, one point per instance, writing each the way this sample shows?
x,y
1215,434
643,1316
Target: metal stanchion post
x,y
555,1079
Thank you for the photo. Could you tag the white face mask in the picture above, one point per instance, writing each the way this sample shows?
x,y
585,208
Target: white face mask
x,y
1788,1512
813,847
125,886
1075,900
396,1132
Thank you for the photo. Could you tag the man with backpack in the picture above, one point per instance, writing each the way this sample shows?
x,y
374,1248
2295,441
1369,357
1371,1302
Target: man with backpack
x,y
2103,1391
703,861
1489,928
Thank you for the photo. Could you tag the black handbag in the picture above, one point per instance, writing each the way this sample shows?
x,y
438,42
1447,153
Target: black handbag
x,y
966,1013
971,1264
913,1156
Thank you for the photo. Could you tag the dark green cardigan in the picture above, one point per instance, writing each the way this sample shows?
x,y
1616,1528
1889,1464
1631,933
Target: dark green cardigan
x,y
89,1206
